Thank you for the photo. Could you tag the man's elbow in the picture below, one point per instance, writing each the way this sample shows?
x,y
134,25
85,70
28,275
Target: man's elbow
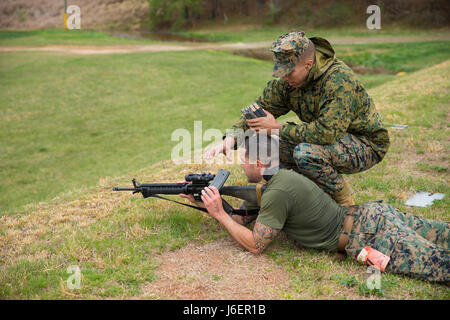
x,y
257,250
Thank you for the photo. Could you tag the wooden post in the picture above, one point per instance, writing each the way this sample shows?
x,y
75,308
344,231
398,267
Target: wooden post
x,y
65,15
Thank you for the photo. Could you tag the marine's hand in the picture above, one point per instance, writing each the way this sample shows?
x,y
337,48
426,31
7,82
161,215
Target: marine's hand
x,y
268,123
214,151
190,197
213,202
224,146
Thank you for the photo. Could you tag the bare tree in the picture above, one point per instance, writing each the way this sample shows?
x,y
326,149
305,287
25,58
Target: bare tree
x,y
215,8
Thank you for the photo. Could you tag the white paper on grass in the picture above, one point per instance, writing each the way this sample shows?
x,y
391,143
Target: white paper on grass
x,y
399,126
423,199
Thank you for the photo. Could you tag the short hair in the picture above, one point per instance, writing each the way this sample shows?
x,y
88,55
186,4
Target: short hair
x,y
262,147
309,52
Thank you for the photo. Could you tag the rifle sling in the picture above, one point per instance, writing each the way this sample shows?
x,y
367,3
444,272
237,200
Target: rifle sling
x,y
240,212
259,186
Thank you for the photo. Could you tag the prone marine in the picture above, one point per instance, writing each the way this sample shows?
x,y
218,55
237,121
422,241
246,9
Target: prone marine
x,y
373,233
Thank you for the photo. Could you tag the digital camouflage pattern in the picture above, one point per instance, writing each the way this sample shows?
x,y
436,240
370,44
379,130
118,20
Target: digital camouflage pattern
x,y
417,246
329,104
287,51
324,164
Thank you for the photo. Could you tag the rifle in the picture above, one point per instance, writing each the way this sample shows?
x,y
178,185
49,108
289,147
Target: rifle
x,y
194,184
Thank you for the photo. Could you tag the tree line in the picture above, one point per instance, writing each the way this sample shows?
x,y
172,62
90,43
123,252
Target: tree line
x,y
179,14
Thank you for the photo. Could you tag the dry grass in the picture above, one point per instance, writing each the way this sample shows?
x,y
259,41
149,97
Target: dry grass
x,y
220,269
100,14
397,95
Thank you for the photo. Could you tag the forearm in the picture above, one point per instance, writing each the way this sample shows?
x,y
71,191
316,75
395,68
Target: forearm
x,y
244,236
241,234
273,99
320,131
237,130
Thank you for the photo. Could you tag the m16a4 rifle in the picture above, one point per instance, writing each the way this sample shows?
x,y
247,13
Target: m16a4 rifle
x,y
194,184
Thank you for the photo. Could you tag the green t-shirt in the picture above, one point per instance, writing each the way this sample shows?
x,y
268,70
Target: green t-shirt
x,y
305,212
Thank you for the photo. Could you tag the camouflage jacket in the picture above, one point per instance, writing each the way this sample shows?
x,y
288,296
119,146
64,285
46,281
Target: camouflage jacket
x,y
330,103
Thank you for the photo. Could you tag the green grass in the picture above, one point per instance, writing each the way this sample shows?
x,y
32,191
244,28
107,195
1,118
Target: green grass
x,y
68,121
238,33
248,33
111,264
73,126
116,253
377,64
395,57
383,61
63,37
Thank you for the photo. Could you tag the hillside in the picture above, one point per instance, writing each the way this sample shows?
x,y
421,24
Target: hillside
x,y
123,243
99,14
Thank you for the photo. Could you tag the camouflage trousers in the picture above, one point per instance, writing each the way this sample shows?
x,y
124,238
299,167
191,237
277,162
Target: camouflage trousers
x,y
324,164
417,246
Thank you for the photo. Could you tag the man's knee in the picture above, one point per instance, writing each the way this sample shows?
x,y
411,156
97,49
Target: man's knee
x,y
306,154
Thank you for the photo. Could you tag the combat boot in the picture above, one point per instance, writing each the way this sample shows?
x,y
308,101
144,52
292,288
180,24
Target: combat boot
x,y
344,197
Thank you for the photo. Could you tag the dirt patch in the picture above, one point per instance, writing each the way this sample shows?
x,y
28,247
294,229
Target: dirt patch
x,y
217,270
257,50
86,49
261,54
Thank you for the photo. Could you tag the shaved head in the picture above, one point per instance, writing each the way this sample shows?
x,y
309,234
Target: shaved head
x,y
303,67
309,52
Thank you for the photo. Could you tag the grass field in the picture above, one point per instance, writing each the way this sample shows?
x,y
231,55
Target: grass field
x,y
73,126
69,121
218,34
61,37
248,33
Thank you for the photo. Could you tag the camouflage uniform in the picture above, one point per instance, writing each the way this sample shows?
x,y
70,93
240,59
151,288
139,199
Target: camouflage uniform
x,y
324,163
417,246
340,130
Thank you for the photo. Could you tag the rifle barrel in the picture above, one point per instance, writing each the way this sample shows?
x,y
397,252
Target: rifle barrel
x,y
123,189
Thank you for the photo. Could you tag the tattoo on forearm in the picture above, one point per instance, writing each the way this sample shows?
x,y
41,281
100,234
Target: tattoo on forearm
x,y
263,235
